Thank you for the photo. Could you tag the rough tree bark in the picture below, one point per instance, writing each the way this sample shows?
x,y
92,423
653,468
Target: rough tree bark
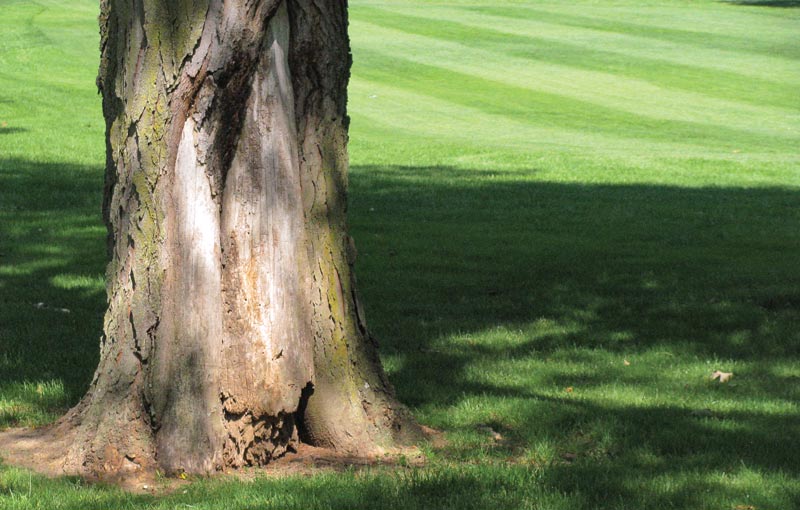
x,y
233,327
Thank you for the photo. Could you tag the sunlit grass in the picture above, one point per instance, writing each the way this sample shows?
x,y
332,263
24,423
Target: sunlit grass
x,y
568,215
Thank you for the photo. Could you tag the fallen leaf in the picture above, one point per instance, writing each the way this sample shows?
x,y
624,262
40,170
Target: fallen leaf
x,y
744,507
3,124
569,389
722,376
626,363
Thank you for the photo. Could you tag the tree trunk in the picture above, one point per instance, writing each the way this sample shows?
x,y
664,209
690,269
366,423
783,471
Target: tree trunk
x,y
233,327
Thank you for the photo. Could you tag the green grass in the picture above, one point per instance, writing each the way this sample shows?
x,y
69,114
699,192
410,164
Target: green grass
x,y
540,193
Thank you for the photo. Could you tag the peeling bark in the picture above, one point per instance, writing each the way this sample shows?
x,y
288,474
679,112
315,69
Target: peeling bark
x,y
233,327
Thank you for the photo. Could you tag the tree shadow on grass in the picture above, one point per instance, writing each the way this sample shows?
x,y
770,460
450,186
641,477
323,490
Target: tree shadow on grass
x,y
712,270
52,256
766,3
581,274
709,273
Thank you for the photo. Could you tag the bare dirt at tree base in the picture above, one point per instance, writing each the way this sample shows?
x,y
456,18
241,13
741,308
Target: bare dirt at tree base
x,y
42,451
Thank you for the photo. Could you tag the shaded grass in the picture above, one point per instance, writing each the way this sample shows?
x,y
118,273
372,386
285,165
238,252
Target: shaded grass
x,y
553,274
769,3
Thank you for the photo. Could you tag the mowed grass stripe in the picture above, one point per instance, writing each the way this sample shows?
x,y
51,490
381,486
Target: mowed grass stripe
x,y
636,103
397,109
633,95
23,62
744,63
550,111
19,32
755,41
490,154
516,38
32,47
78,26
764,25
463,137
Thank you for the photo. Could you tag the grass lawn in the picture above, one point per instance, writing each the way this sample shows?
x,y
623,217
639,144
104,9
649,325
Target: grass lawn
x,y
568,214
